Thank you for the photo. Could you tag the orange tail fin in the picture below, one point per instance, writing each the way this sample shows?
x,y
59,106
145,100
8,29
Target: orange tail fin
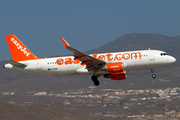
x,y
19,51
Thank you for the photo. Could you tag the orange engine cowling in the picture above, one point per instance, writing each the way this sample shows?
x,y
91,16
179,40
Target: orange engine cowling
x,y
114,67
116,76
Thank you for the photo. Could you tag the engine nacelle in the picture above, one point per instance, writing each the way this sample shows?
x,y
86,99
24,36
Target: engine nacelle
x,y
114,67
117,76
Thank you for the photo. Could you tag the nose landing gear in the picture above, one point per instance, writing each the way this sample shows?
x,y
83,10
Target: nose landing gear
x,y
153,75
95,80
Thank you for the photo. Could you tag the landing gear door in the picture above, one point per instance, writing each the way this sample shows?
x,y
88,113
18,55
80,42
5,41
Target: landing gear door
x,y
151,55
39,65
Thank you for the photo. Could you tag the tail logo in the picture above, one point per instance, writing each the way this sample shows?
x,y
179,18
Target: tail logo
x,y
19,46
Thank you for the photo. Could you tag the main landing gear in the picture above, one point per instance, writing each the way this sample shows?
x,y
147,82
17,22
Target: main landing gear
x,y
153,75
95,80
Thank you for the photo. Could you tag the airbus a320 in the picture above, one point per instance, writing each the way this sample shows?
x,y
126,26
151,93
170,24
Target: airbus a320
x,y
109,65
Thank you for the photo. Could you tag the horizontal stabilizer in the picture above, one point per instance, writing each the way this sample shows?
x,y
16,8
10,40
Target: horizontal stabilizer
x,y
16,63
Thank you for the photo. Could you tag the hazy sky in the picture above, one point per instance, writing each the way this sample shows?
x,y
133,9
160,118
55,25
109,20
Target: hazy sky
x,y
85,24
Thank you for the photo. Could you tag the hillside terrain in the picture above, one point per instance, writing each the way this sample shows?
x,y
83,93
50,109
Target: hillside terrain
x,y
38,111
140,41
19,81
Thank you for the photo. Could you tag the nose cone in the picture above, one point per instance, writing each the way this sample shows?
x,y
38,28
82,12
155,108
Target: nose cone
x,y
172,60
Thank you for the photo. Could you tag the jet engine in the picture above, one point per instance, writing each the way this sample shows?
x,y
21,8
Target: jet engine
x,y
117,76
114,67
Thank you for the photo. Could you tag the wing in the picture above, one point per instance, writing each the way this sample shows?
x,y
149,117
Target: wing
x,y
91,62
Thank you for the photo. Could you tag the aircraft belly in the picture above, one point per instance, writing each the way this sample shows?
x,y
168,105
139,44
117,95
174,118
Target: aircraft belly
x,y
67,70
137,64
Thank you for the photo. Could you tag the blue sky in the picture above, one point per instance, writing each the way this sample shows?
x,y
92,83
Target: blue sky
x,y
84,24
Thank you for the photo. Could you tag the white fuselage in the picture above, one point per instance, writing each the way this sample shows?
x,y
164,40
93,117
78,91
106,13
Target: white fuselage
x,y
133,60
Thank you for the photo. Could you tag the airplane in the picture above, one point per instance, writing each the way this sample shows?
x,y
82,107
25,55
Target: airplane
x,y
109,65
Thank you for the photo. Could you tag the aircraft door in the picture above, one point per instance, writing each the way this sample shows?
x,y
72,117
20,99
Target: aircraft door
x,y
151,55
39,65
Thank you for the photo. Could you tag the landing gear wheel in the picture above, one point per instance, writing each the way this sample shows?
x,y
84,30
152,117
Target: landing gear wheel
x,y
96,82
94,78
153,76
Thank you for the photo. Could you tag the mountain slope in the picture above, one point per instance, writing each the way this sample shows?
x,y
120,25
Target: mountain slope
x,y
12,112
139,41
38,111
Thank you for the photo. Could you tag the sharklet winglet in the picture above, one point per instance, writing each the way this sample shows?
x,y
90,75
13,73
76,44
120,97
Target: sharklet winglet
x,y
64,42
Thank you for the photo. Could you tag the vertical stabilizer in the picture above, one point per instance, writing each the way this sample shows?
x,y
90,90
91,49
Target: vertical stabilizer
x,y
19,51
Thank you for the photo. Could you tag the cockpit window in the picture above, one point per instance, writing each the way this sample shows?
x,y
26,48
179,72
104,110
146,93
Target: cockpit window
x,y
162,54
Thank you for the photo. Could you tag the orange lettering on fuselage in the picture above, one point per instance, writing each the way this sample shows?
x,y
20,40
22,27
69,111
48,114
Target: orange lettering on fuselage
x,y
59,61
68,61
117,56
76,61
135,53
95,55
102,57
105,57
124,56
109,57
